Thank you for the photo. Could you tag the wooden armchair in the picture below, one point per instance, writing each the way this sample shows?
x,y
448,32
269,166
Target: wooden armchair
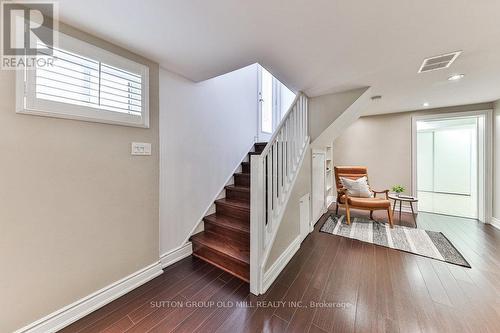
x,y
371,204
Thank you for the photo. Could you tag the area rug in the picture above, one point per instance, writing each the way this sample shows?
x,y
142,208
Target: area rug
x,y
430,244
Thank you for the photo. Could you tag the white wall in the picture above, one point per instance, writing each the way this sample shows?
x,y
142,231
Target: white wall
x,y
206,129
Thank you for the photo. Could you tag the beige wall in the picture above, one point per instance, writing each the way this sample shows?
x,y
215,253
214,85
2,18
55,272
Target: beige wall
x,y
383,144
325,109
77,211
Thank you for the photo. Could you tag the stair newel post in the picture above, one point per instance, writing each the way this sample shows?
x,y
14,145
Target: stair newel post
x,y
287,153
301,120
293,134
304,117
274,179
296,121
257,220
268,193
306,107
281,165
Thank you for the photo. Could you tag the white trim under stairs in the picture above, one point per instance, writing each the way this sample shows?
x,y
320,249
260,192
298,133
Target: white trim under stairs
x,y
175,255
272,273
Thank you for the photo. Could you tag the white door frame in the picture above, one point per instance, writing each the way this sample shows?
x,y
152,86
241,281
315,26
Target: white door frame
x,y
485,164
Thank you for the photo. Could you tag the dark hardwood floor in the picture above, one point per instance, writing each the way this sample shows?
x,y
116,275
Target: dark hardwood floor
x,y
354,287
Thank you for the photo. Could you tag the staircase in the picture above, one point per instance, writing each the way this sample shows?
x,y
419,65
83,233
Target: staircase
x,y
225,242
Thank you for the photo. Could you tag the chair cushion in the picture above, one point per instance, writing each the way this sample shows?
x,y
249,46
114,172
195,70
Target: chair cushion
x,y
375,203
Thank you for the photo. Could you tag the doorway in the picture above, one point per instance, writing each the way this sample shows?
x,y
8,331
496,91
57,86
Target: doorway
x,y
274,101
450,159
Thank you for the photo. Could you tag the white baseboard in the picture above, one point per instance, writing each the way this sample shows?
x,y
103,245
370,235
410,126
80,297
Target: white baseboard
x,y
79,309
316,218
175,255
495,222
329,200
272,273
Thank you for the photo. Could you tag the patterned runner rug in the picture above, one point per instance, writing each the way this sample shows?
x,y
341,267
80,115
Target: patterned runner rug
x,y
426,243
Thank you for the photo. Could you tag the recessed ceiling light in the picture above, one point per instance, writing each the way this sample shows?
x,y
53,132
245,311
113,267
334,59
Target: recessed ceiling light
x,y
425,104
455,77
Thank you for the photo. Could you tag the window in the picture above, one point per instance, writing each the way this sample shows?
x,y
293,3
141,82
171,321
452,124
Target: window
x,y
86,83
275,100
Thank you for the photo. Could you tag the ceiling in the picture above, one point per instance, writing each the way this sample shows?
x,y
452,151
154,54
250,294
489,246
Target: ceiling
x,y
315,46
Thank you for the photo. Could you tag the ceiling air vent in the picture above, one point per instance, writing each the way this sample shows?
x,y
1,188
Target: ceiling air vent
x,y
439,62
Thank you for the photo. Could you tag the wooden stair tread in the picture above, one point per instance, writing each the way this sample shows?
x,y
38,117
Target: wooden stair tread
x,y
238,192
223,246
234,203
238,188
242,174
228,222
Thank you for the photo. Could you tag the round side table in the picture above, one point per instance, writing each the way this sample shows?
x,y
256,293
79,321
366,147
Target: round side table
x,y
396,198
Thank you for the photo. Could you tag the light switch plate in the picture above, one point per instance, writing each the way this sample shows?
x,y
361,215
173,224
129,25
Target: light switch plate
x,y
141,148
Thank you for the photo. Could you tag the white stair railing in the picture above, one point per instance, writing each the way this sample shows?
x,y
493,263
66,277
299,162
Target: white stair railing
x,y
273,174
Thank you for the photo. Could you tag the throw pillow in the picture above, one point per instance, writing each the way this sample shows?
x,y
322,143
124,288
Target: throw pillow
x,y
357,187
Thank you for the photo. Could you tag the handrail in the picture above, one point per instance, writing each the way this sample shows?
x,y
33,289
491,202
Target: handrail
x,y
273,174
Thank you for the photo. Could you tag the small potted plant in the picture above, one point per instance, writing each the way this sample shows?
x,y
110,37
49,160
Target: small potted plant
x,y
398,189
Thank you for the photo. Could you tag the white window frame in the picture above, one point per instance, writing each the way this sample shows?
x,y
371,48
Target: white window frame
x,y
27,103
